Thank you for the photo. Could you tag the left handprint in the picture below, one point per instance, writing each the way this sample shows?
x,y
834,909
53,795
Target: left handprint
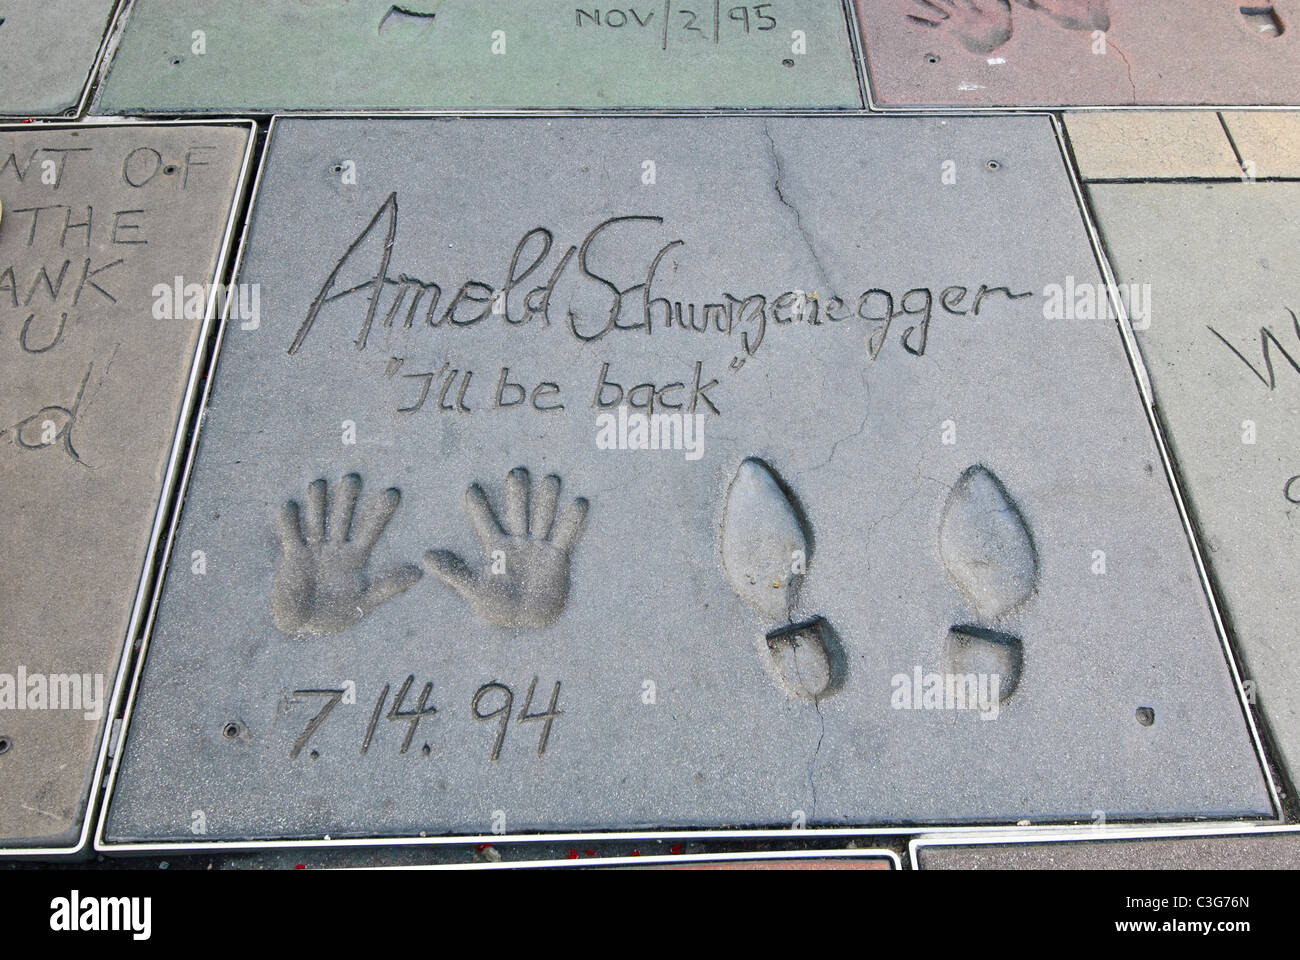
x,y
321,584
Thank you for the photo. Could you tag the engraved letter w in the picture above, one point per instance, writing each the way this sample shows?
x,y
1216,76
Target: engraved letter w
x,y
1265,335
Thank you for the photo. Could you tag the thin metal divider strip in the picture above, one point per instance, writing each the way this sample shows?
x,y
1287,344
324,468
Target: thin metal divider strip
x,y
858,54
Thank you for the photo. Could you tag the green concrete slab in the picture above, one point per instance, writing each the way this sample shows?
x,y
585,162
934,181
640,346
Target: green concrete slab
x,y
47,51
199,56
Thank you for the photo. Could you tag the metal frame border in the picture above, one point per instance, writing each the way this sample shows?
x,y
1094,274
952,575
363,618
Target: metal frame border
x,y
146,582
90,82
1145,828
1100,835
875,106
668,859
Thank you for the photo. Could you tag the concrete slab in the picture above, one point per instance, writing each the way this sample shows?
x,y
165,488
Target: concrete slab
x,y
709,635
1274,851
1222,266
93,375
374,55
1151,145
1001,53
1268,141
47,50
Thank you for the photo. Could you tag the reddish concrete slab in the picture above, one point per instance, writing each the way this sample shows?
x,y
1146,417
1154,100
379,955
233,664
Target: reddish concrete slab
x,y
999,53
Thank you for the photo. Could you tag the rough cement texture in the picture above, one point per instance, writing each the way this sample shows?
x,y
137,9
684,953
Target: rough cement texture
x,y
1151,145
1268,141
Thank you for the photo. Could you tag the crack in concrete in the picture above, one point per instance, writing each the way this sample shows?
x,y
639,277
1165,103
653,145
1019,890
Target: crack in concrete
x,y
811,813
812,764
822,275
871,530
835,446
861,426
1127,66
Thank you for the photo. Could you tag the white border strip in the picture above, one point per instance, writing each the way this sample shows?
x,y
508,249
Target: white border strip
x,y
183,485
170,474
669,859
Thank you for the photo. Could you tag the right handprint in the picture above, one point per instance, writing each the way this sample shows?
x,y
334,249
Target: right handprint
x,y
981,25
524,578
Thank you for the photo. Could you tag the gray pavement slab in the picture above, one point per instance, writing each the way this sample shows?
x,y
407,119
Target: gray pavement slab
x,y
889,461
47,51
188,56
94,369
